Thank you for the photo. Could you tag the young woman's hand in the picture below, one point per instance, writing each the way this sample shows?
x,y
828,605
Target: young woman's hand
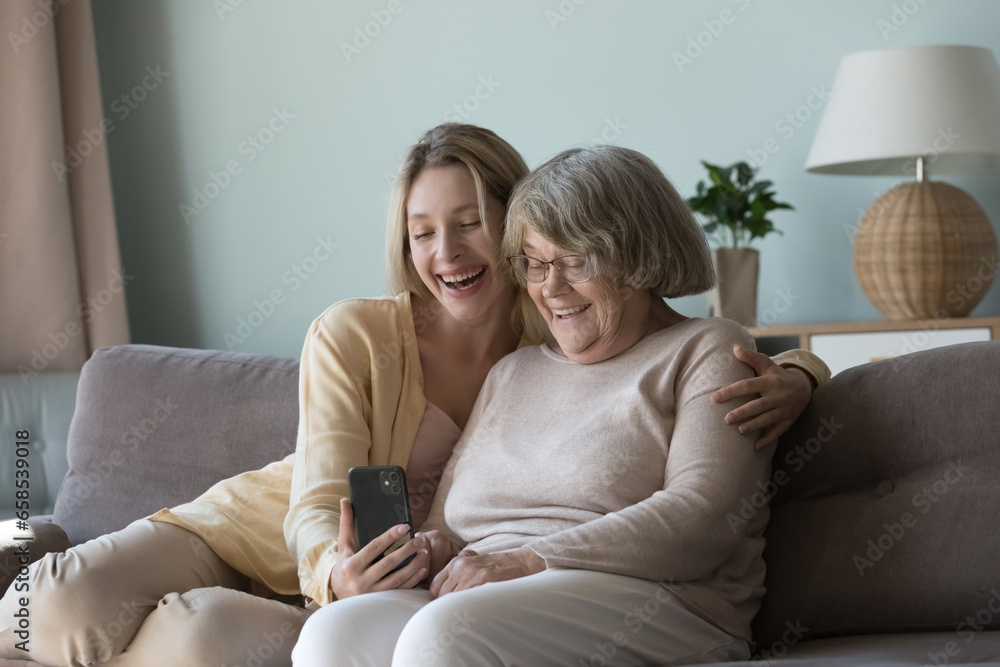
x,y
468,569
784,394
355,574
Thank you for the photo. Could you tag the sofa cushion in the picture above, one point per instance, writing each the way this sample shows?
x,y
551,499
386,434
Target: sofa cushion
x,y
888,501
156,426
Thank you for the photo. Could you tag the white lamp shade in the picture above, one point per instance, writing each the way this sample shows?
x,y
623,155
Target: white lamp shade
x,y
887,107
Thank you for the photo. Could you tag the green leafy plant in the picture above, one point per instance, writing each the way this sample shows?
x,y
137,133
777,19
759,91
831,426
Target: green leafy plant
x,y
737,203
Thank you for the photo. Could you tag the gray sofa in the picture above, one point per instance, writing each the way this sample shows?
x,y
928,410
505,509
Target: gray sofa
x,y
884,541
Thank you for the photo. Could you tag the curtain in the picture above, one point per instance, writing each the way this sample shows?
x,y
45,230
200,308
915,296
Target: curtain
x,y
62,286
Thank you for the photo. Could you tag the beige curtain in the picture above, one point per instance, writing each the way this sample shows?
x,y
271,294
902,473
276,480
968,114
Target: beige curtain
x,y
61,280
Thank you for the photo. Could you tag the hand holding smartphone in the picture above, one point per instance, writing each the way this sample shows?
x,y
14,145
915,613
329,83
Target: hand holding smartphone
x,y
380,501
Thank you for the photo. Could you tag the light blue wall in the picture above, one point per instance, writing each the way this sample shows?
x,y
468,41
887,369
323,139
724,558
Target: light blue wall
x,y
554,84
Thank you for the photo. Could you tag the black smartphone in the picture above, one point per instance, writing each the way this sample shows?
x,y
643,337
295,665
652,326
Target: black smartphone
x,y
380,501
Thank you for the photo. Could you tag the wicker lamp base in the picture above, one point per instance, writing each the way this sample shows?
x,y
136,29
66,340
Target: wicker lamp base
x,y
925,250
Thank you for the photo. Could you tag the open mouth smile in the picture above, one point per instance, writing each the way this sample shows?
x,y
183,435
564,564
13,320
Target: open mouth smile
x,y
567,313
463,281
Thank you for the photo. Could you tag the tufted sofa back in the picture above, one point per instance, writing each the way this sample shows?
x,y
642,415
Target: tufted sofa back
x,y
41,404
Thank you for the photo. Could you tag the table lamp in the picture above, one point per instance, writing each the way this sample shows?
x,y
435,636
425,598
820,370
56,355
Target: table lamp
x,y
925,249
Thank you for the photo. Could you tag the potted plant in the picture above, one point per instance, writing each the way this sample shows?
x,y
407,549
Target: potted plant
x,y
736,207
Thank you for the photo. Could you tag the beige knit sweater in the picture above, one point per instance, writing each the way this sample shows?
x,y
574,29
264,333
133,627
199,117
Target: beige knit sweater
x,y
624,466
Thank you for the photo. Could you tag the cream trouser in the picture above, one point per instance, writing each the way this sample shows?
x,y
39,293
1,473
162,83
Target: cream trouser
x,y
149,595
557,617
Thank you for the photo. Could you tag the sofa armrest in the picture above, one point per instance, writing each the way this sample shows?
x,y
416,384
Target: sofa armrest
x,y
48,537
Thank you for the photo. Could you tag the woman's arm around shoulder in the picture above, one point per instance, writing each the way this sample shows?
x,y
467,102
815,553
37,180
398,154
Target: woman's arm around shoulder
x,y
785,384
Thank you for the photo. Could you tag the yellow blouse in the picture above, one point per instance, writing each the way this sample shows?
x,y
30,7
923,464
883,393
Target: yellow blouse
x,y
361,400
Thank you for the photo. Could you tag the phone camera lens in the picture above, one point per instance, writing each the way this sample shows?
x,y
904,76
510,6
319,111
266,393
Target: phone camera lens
x,y
396,488
394,477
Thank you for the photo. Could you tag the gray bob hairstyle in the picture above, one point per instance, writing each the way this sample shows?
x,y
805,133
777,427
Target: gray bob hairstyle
x,y
496,168
614,207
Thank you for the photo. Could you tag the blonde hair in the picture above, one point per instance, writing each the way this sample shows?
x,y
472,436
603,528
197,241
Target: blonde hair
x,y
614,207
496,168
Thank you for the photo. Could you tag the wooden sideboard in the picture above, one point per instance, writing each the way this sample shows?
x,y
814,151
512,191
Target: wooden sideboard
x,y
845,344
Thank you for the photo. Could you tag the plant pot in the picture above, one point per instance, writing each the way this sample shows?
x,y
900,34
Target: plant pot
x,y
735,297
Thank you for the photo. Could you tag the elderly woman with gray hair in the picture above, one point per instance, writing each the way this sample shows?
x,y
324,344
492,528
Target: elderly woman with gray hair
x,y
585,515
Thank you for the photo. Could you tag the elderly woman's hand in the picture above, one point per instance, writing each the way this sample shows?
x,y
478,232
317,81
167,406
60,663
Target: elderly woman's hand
x,y
469,569
784,394
442,550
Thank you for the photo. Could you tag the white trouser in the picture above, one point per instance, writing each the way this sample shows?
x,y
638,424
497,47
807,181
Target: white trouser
x,y
557,617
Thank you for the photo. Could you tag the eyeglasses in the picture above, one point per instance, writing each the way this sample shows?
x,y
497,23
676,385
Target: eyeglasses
x,y
572,268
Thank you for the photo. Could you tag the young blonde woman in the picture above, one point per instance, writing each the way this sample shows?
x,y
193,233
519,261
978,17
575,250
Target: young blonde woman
x,y
387,381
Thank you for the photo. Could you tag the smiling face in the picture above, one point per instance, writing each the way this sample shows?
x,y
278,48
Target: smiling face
x,y
591,321
448,246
